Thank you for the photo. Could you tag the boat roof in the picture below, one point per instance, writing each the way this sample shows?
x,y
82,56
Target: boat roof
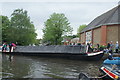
x,y
116,62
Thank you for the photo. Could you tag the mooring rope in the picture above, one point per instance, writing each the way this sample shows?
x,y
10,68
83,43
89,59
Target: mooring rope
x,y
99,77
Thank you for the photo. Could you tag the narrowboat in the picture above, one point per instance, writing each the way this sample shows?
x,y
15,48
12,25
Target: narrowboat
x,y
58,51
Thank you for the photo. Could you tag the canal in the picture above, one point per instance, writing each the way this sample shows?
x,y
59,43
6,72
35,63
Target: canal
x,y
16,66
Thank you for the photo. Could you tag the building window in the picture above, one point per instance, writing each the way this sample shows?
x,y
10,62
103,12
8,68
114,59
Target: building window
x,y
88,37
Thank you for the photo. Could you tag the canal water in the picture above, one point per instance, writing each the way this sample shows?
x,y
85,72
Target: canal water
x,y
16,66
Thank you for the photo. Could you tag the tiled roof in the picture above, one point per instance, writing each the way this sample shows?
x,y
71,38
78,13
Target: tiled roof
x,y
108,18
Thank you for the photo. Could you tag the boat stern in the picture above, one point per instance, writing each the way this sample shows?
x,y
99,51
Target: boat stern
x,y
95,55
110,73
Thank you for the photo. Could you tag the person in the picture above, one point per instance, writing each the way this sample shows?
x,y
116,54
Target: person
x,y
83,47
79,43
10,47
74,43
98,47
116,47
4,48
111,45
89,47
90,44
110,57
13,47
108,46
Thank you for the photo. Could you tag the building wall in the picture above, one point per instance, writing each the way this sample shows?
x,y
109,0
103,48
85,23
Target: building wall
x,y
112,33
119,34
82,37
96,36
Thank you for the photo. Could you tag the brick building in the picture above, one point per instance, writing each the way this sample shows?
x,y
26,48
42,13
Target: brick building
x,y
103,29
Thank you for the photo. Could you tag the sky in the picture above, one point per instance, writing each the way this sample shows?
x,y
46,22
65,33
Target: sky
x,y
78,12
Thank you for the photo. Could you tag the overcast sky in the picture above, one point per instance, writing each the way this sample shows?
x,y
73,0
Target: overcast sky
x,y
78,12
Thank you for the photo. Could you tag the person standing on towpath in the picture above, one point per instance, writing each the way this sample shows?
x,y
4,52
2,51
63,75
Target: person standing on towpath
x,y
4,48
10,47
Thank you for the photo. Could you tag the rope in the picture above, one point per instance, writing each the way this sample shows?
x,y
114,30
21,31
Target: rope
x,y
92,77
105,74
100,76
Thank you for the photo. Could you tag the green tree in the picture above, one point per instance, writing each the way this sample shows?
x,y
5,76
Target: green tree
x,y
4,28
81,27
0,29
56,27
38,41
22,29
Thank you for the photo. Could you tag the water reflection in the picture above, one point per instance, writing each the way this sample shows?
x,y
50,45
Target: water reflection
x,y
15,66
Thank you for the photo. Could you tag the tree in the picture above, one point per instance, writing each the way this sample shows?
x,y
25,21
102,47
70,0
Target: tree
x,y
22,29
0,29
81,27
4,28
56,27
38,41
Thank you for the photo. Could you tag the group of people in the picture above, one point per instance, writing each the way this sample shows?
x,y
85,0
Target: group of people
x,y
89,47
110,47
8,47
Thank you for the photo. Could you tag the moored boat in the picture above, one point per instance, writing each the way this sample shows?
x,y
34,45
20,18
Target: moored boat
x,y
116,61
59,51
112,68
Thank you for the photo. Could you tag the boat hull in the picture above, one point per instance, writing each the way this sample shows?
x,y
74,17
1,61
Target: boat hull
x,y
110,74
112,68
61,55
